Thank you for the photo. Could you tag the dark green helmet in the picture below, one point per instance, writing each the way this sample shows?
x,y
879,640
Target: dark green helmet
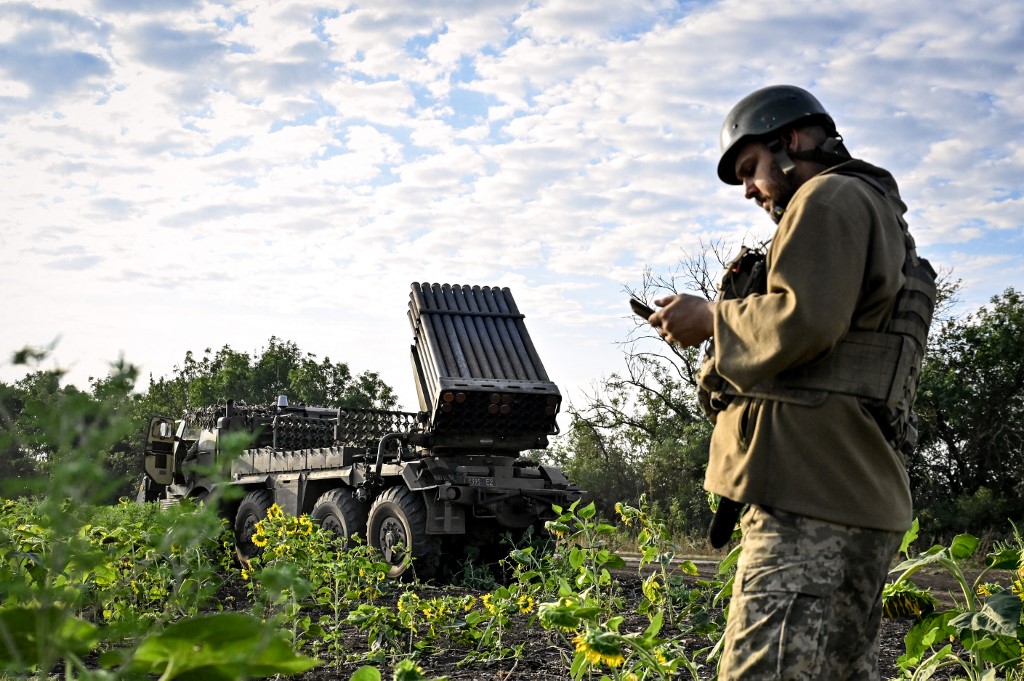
x,y
760,113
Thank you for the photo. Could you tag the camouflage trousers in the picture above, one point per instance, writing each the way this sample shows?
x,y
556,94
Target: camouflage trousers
x,y
807,600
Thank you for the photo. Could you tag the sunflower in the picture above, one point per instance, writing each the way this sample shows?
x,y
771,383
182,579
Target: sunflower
x,y
600,647
258,538
408,603
561,615
652,589
906,599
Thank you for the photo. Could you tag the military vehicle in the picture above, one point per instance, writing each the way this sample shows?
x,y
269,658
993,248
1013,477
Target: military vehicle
x,y
413,485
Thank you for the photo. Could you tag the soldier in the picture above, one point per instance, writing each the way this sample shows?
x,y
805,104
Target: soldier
x,y
808,426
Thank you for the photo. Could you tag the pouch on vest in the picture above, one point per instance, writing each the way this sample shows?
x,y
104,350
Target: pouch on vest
x,y
744,275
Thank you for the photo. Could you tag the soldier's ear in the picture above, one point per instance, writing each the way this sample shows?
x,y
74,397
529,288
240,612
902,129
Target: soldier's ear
x,y
791,138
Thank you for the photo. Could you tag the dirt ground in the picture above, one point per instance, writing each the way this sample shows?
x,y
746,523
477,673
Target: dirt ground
x,y
544,656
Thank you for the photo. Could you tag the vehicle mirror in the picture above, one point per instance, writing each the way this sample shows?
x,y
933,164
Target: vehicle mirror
x,y
161,428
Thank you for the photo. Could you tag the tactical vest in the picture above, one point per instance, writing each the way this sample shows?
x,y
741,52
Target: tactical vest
x,y
882,368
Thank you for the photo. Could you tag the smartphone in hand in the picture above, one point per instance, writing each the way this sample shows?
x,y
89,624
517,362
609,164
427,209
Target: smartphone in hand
x,y
640,308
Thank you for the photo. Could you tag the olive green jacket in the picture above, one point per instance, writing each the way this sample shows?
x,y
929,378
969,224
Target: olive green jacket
x,y
834,265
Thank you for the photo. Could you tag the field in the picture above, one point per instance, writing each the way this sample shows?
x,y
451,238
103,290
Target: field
x,y
136,591
544,657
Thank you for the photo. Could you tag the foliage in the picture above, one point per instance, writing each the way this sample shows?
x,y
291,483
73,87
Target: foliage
x,y
132,589
696,607
968,469
641,431
44,424
988,624
219,646
129,584
303,564
279,369
635,430
587,613
37,433
405,670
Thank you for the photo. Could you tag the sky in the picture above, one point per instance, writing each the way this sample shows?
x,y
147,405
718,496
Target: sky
x,y
177,175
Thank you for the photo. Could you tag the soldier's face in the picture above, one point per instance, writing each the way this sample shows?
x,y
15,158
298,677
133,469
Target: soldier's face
x,y
763,180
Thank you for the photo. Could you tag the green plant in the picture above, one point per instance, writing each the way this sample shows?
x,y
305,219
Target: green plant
x,y
471,572
496,611
218,646
661,589
599,643
585,614
301,565
983,634
157,565
389,631
349,576
583,539
405,670
48,560
66,563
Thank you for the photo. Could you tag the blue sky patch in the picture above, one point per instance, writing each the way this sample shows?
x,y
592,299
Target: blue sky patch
x,y
470,107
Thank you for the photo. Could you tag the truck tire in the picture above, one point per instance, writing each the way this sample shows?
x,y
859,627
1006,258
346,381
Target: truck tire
x,y
397,526
253,509
341,513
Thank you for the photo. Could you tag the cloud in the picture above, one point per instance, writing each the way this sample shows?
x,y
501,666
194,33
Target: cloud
x,y
115,209
47,53
304,162
76,263
148,6
555,21
165,47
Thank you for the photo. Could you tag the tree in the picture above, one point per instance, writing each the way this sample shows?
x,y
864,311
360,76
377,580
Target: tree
x,y
970,463
46,425
17,466
279,369
33,402
114,395
641,432
43,422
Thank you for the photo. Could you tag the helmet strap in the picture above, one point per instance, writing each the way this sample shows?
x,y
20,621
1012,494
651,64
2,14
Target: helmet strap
x,y
829,153
778,151
781,157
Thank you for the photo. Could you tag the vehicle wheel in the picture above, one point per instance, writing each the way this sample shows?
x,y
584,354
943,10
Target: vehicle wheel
x,y
341,513
253,509
397,527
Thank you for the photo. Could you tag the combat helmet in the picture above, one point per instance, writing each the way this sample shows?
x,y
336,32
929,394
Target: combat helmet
x,y
767,111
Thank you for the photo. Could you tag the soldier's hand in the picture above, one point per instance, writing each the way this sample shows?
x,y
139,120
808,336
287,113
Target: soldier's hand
x,y
684,319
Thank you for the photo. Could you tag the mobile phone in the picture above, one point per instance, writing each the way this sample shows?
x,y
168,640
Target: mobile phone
x,y
640,308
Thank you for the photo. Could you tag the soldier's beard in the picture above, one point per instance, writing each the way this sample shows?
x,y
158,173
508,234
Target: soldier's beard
x,y
782,189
